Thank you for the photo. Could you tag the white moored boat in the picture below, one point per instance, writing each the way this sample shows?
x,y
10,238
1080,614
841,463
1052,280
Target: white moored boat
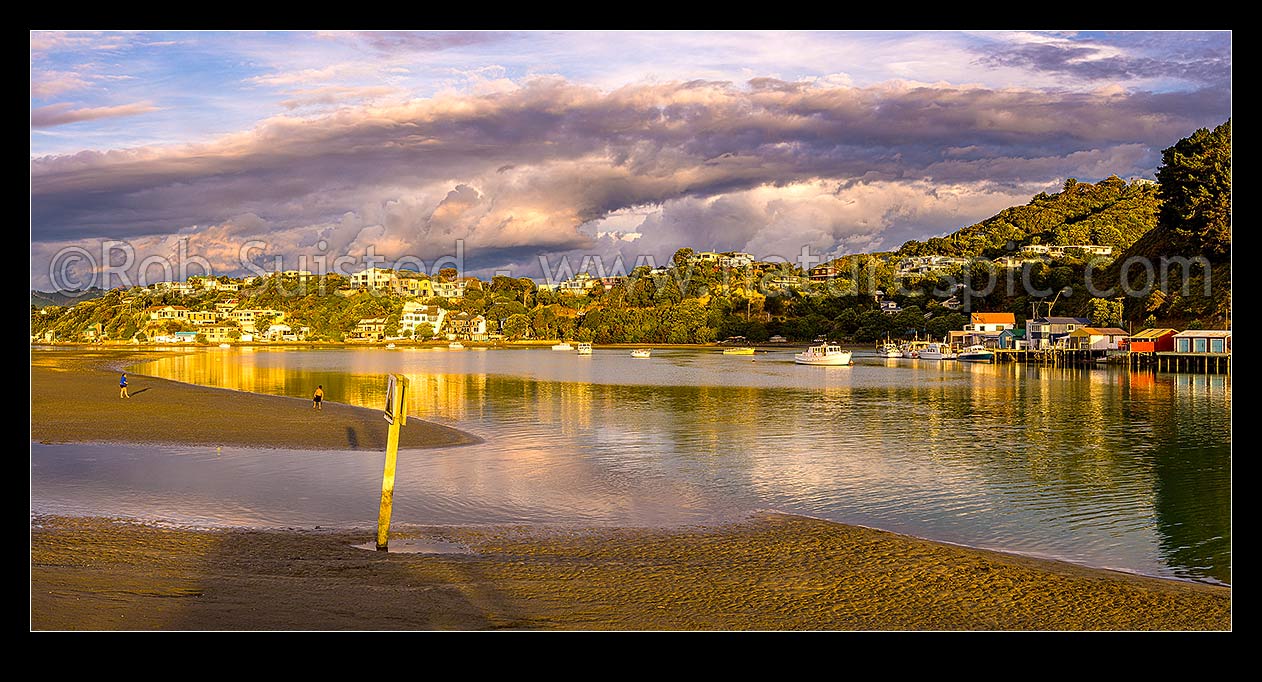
x,y
564,345
824,354
455,345
889,350
389,346
224,345
584,349
977,354
642,352
937,351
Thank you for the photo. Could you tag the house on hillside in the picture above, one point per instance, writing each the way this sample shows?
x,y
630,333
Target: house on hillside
x,y
167,312
1153,340
416,314
449,289
1203,341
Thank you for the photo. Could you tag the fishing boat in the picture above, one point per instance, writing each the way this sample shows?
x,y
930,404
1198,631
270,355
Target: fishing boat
x,y
641,352
937,351
564,345
584,349
456,345
977,354
389,346
823,354
889,350
912,349
224,345
739,350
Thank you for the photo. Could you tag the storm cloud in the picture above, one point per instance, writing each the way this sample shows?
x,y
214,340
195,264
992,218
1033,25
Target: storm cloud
x,y
760,166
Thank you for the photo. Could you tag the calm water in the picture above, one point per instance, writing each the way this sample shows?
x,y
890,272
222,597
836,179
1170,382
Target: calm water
x,y
1103,467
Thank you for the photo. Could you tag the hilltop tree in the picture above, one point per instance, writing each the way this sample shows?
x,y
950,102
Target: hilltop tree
x,y
1195,180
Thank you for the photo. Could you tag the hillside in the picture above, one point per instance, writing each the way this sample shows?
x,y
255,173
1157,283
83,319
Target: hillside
x,y
39,299
1191,242
1107,213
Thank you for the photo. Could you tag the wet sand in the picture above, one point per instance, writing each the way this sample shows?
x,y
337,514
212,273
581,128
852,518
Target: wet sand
x,y
75,399
773,572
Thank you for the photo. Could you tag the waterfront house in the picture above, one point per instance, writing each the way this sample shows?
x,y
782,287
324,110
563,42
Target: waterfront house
x,y
1152,341
1203,341
1097,338
220,333
246,317
777,339
222,309
468,327
202,317
1035,249
1047,332
889,307
370,329
1013,339
990,322
186,337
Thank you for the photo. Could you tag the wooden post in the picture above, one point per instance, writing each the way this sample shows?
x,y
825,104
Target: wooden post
x,y
397,408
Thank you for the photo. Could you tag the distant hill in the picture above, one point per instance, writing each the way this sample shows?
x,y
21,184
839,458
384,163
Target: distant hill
x,y
39,299
1111,212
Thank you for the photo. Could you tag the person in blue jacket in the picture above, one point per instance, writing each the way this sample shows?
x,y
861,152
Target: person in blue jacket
x,y
122,386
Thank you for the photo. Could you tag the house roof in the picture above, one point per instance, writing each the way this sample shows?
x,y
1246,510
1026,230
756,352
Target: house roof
x,y
1154,333
994,318
1099,331
1063,320
1212,333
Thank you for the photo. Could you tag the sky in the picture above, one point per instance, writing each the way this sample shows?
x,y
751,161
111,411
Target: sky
x,y
511,151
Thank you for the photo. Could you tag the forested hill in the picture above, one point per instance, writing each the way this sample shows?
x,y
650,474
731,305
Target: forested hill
x,y
1194,227
1111,212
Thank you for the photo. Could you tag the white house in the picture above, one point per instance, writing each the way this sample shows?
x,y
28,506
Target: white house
x,y
416,314
449,289
373,278
736,260
990,322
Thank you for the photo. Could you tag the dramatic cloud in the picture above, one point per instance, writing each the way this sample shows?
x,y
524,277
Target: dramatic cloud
x,y
767,167
64,113
1098,61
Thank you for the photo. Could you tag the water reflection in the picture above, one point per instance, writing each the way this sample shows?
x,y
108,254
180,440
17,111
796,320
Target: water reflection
x,y
1103,466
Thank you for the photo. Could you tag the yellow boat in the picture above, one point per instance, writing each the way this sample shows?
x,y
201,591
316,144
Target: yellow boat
x,y
748,350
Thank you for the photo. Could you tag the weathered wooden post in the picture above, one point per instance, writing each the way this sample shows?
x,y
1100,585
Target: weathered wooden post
x,y
396,415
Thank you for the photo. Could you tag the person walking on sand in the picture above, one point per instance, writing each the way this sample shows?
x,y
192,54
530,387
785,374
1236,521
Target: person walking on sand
x,y
122,386
318,399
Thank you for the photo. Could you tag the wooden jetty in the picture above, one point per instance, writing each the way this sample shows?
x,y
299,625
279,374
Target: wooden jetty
x,y
1206,363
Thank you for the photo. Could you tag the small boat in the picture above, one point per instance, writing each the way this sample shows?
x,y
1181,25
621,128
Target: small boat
x,y
642,352
977,354
912,349
584,349
889,350
225,345
389,346
740,350
824,354
564,345
937,351
456,345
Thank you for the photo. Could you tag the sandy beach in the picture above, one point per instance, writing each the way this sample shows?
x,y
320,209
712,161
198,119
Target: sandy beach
x,y
75,399
769,572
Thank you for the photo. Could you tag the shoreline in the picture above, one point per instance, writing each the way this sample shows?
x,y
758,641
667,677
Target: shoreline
x,y
75,399
770,572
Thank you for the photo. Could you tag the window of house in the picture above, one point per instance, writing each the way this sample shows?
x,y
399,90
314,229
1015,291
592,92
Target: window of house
x,y
1182,345
1069,327
1198,345
1216,345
